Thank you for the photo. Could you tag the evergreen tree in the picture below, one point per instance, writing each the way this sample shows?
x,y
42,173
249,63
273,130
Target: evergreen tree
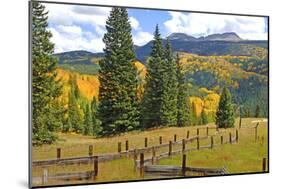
x,y
95,120
225,112
192,115
45,88
170,88
56,116
257,113
68,126
182,106
152,98
75,117
204,117
118,77
88,121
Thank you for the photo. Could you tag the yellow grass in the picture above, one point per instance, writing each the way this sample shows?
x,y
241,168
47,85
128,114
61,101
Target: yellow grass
x,y
242,157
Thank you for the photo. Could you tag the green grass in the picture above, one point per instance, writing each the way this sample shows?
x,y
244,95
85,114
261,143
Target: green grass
x,y
246,156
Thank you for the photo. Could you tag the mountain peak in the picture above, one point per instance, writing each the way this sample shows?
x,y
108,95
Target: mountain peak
x,y
181,36
228,36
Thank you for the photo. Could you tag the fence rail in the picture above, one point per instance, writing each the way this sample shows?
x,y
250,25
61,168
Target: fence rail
x,y
64,177
167,170
113,156
144,165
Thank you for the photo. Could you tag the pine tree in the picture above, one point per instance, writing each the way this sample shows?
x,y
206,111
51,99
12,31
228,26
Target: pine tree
x,y
95,120
45,88
170,88
152,98
56,116
88,121
204,117
118,77
257,113
182,106
75,117
225,112
192,115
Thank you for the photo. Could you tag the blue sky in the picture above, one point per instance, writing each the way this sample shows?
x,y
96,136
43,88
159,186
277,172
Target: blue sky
x,y
82,27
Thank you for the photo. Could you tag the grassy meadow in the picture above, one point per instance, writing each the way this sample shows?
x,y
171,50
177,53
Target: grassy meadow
x,y
246,156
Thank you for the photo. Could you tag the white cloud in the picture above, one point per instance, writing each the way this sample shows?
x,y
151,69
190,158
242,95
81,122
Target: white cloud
x,y
72,32
141,38
68,22
68,38
198,24
73,14
134,23
90,10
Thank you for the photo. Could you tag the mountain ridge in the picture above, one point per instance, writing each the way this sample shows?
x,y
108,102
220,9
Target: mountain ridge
x,y
227,36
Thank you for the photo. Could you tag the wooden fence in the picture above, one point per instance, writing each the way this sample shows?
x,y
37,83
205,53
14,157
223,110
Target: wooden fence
x,y
120,154
168,170
144,165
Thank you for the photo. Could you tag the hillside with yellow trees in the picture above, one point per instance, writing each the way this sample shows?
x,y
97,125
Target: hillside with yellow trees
x,y
205,76
88,84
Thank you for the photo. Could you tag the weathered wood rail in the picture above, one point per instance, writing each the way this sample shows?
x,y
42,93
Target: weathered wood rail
x,y
146,166
64,177
155,158
120,154
168,170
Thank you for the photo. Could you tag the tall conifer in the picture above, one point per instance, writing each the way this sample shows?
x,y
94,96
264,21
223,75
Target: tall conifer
x,y
225,112
75,117
182,106
170,88
88,121
118,77
45,88
96,121
152,99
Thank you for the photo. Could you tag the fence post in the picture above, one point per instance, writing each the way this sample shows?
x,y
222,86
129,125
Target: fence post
x,y
45,176
183,145
230,140
96,166
170,148
221,139
90,150
237,136
264,164
175,137
153,155
135,158
119,147
198,145
183,164
127,145
142,165
160,140
58,153
207,131
212,142
198,132
187,134
145,142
